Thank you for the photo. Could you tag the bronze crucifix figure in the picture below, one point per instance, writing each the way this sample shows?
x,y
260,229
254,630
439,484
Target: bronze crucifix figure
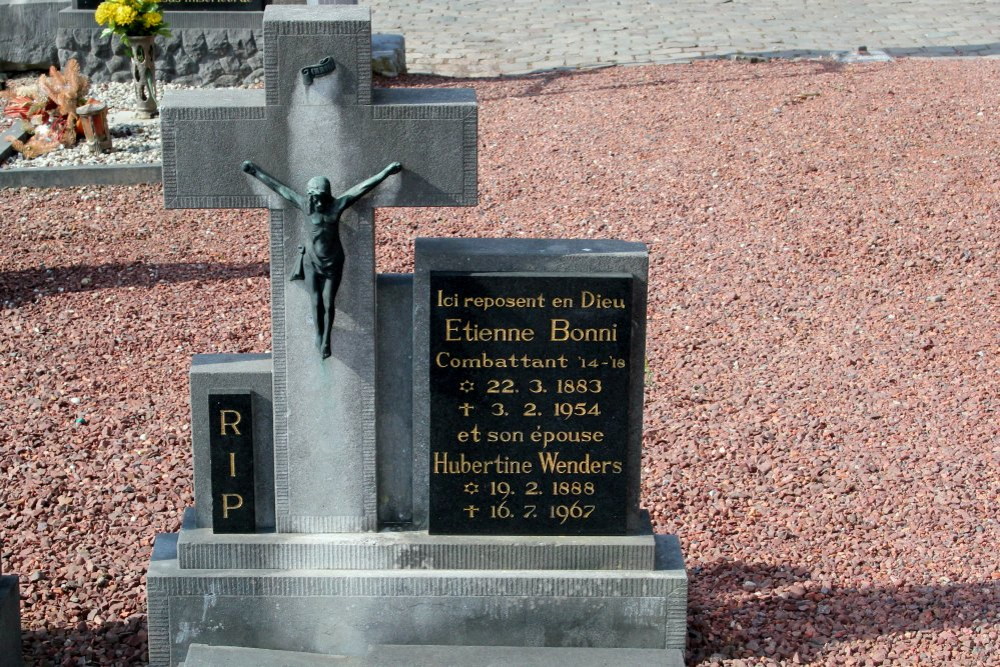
x,y
321,259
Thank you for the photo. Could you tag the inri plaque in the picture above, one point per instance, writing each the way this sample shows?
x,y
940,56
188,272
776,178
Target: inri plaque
x,y
529,377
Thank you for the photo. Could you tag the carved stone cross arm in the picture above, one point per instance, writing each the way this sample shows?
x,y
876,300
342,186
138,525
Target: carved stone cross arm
x,y
329,124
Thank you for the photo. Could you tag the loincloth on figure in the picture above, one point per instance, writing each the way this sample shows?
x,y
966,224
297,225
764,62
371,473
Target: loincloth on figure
x,y
330,267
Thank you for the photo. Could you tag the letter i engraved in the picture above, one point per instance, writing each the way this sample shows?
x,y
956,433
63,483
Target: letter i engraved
x,y
231,443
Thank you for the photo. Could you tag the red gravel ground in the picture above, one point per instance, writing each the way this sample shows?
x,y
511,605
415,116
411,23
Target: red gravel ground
x,y
822,391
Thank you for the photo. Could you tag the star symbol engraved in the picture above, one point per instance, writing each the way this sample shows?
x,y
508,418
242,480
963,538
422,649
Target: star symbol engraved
x,y
466,386
471,488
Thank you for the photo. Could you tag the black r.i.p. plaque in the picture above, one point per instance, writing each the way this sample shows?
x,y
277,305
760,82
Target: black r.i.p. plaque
x,y
231,442
529,387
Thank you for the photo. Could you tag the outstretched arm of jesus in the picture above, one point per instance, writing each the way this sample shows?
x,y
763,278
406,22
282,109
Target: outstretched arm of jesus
x,y
270,181
366,186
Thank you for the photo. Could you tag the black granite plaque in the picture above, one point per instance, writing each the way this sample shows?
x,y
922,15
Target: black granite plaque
x,y
231,442
529,377
192,6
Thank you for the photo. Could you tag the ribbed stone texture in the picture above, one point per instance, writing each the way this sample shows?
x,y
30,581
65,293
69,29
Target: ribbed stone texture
x,y
344,611
201,655
200,549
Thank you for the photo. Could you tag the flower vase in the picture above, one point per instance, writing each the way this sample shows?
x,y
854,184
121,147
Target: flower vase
x,y
144,76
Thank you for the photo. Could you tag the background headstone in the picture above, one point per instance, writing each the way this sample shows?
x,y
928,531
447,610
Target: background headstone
x,y
10,621
28,32
208,47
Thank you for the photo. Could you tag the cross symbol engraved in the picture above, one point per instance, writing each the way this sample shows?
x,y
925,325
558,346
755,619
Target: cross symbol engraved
x,y
465,408
334,127
470,511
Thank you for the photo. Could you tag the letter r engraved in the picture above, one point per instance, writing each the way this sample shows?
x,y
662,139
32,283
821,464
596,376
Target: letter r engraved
x,y
226,506
231,424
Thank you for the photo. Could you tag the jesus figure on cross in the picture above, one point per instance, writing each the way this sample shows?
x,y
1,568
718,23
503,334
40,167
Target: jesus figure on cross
x,y
321,260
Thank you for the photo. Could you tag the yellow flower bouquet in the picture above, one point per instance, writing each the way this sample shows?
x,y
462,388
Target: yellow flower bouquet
x,y
131,18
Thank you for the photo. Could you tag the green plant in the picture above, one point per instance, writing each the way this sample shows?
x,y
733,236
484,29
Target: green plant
x,y
134,18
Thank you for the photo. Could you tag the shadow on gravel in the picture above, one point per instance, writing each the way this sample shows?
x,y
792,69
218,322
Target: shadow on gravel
x,y
28,284
539,84
121,642
742,610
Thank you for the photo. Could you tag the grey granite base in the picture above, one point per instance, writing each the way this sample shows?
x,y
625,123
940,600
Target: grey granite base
x,y
336,612
10,622
200,548
200,655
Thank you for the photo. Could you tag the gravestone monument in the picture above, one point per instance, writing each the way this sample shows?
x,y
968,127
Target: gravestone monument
x,y
10,621
443,464
212,42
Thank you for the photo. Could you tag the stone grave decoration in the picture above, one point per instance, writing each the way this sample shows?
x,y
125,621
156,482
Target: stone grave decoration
x,y
209,44
10,621
136,23
442,465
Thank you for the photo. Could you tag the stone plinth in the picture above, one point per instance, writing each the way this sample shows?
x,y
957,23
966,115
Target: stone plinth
x,y
343,612
201,655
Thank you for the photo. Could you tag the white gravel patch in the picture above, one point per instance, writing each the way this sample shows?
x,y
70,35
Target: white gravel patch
x,y
134,141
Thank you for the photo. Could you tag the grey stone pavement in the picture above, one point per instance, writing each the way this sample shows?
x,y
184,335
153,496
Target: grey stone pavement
x,y
474,38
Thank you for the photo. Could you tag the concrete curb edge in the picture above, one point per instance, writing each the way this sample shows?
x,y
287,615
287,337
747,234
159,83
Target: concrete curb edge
x,y
77,175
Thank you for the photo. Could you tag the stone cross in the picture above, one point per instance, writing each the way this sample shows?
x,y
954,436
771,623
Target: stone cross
x,y
311,120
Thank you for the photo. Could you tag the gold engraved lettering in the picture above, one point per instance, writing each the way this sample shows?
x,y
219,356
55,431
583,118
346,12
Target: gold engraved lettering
x,y
226,506
224,423
562,437
446,360
232,464
574,511
487,302
591,300
586,466
472,433
500,511
504,436
446,301
459,330
562,302
500,465
561,331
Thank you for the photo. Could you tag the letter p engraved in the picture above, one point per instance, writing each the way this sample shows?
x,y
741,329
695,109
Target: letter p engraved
x,y
231,434
230,501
